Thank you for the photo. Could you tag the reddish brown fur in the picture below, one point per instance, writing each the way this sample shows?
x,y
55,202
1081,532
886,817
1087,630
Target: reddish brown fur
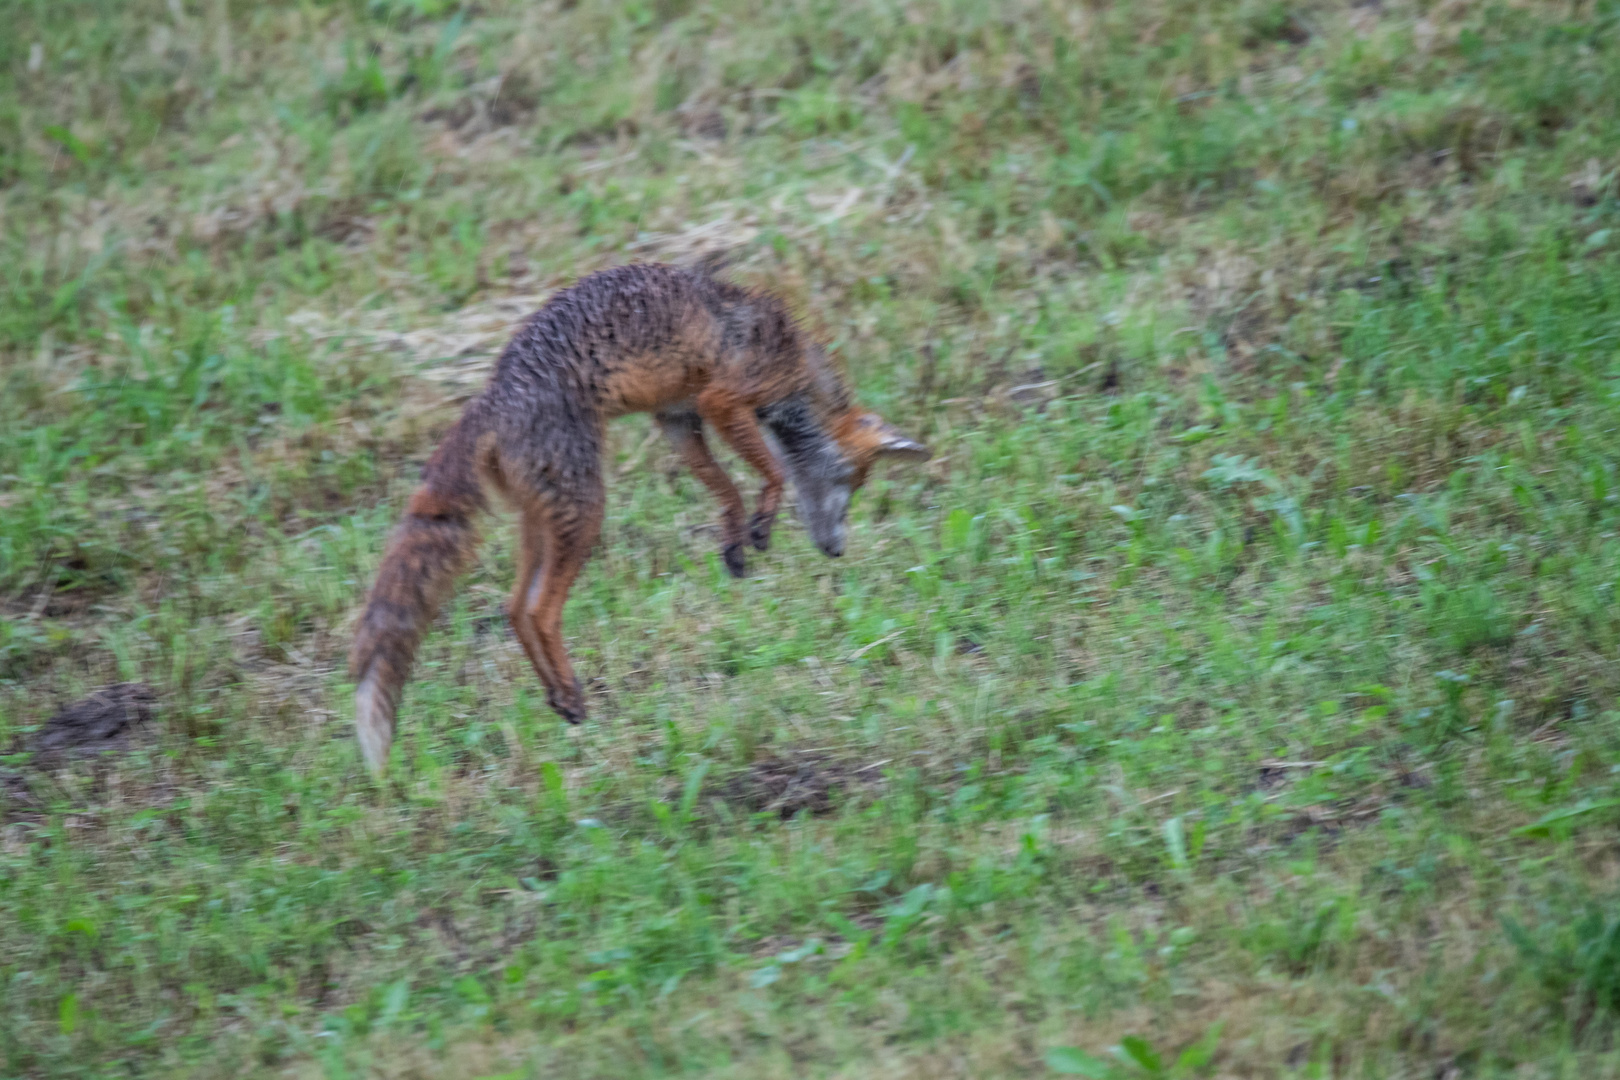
x,y
642,338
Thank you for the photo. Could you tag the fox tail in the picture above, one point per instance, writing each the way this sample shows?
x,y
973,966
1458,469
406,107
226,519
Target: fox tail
x,y
432,547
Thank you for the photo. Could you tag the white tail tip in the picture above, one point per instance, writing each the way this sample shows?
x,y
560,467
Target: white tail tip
x,y
373,723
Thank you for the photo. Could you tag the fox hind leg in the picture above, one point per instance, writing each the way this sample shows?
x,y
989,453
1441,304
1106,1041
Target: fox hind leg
x,y
557,539
526,591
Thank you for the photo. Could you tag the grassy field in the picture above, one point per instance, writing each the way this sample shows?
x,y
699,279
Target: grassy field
x,y
1233,695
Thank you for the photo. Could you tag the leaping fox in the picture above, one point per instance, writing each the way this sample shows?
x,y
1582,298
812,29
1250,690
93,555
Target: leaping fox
x,y
684,346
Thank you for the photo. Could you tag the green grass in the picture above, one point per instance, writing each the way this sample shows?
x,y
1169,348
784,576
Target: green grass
x,y
1236,687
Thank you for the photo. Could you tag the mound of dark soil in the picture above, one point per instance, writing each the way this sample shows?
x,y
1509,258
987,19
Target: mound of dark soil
x,y
788,785
94,724
106,720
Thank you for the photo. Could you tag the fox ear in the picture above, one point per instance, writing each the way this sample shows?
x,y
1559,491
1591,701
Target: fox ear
x,y
893,443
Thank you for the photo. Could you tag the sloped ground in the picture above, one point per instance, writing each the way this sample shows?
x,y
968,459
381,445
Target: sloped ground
x,y
1243,663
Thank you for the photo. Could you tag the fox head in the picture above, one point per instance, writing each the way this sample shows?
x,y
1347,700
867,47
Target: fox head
x,y
828,446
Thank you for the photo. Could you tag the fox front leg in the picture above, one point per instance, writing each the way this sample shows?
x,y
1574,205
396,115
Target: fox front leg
x,y
737,425
685,433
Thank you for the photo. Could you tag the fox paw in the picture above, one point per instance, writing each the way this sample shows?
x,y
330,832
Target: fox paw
x,y
733,555
759,531
571,707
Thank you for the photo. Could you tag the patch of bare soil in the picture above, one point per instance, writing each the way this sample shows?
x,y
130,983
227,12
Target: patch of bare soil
x,y
1333,816
95,724
789,784
104,721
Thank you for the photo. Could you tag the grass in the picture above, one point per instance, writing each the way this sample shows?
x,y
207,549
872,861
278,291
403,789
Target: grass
x,y
1234,689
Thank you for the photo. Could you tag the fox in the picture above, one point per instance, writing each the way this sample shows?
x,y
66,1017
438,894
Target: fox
x,y
698,353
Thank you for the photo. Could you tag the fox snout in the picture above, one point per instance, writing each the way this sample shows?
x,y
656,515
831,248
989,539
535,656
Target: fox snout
x,y
823,505
833,546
